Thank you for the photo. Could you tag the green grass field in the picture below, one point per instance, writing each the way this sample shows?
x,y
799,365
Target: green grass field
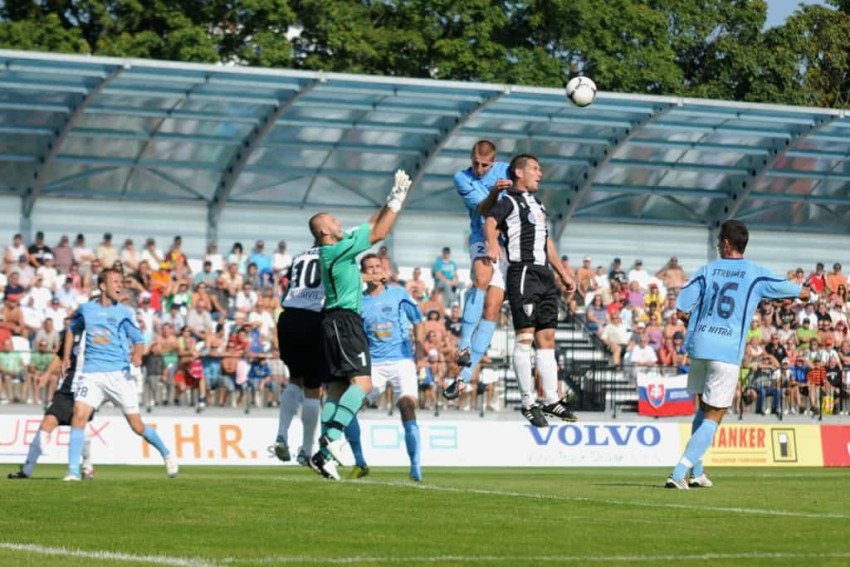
x,y
276,515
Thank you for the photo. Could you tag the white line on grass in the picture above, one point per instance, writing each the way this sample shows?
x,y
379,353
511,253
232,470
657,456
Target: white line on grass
x,y
530,559
105,555
283,559
563,498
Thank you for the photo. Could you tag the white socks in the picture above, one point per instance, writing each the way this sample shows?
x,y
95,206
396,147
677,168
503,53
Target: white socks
x,y
522,368
311,411
547,369
290,398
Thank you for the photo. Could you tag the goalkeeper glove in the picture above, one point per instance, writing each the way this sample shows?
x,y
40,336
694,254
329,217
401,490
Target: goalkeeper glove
x,y
399,191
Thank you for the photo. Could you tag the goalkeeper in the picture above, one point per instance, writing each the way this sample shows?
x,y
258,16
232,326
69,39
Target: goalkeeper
x,y
343,338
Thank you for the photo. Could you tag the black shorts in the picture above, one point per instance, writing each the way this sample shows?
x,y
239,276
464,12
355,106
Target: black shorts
x,y
62,407
299,336
345,344
533,297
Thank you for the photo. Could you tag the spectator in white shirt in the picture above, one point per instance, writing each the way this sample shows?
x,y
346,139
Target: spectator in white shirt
x,y
214,258
26,273
68,297
147,313
83,255
642,354
639,275
48,273
38,296
616,336
14,252
199,320
130,257
281,261
56,313
246,298
152,255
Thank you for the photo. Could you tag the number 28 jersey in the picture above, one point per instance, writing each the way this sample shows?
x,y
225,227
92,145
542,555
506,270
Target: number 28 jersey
x,y
305,282
722,297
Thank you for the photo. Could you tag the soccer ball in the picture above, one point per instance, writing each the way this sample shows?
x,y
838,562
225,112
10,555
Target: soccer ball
x,y
581,91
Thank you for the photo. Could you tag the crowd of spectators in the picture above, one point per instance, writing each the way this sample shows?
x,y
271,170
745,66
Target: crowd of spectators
x,y
212,329
797,352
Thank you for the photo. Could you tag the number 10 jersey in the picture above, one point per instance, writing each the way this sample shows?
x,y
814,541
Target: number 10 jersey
x,y
305,282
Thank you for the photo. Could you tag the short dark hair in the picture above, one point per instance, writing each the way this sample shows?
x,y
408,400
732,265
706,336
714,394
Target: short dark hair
x,y
363,260
518,162
736,233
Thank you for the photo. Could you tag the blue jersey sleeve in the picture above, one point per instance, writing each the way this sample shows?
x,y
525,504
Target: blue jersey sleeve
x,y
471,193
129,327
411,310
78,321
777,287
691,294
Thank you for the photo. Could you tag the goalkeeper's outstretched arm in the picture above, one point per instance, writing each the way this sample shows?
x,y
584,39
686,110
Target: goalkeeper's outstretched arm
x,y
387,214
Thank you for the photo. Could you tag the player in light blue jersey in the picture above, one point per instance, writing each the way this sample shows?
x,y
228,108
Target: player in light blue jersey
x,y
109,328
719,302
388,313
479,186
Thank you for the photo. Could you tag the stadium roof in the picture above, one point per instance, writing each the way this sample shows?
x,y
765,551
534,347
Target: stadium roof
x,y
77,126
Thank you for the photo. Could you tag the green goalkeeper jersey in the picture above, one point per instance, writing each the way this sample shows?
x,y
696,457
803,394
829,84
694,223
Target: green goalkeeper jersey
x,y
340,273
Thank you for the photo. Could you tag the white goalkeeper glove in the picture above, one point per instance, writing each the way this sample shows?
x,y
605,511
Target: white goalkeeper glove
x,y
399,191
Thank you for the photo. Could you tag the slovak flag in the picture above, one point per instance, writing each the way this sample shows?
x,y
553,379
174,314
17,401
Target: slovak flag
x,y
663,395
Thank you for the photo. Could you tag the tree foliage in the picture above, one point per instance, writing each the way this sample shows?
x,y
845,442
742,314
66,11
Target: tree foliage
x,y
701,48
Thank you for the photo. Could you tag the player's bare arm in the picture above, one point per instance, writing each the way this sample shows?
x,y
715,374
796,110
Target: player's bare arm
x,y
67,348
52,369
488,202
555,261
491,234
136,355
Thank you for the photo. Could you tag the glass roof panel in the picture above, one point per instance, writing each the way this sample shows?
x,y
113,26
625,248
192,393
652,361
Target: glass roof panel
x,y
173,130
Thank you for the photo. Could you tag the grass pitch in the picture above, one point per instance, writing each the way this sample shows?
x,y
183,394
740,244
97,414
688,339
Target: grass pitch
x,y
275,515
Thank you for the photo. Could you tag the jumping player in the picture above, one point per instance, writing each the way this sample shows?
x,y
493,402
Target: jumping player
x,y
533,296
299,334
479,186
345,345
109,328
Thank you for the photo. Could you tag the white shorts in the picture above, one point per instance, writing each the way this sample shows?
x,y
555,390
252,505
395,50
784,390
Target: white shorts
x,y
716,381
93,388
479,250
401,376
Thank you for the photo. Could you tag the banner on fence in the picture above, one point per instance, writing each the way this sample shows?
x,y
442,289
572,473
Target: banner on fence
x,y
663,395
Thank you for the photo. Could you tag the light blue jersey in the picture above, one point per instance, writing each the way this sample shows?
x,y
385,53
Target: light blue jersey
x,y
722,298
387,318
473,190
109,330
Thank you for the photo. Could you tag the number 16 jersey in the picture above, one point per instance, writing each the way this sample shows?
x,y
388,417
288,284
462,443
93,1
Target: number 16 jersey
x,y
722,297
305,282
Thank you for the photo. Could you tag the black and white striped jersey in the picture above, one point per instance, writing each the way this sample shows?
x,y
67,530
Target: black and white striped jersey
x,y
522,220
305,282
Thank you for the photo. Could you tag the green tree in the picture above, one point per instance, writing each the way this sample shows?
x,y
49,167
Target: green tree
x,y
622,44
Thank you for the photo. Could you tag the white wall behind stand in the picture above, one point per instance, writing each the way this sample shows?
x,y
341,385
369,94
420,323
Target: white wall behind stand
x,y
124,219
10,219
782,251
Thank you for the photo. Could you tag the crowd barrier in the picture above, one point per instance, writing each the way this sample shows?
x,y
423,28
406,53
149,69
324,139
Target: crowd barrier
x,y
199,440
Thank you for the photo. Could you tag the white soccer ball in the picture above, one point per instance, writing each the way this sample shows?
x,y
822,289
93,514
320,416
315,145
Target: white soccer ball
x,y
581,91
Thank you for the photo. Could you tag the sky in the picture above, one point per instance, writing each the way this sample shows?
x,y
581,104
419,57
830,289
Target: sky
x,y
778,10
